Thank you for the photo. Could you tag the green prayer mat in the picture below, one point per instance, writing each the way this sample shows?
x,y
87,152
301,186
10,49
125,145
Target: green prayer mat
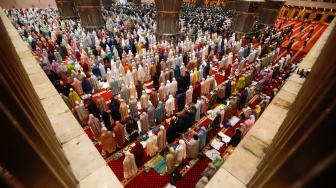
x,y
159,164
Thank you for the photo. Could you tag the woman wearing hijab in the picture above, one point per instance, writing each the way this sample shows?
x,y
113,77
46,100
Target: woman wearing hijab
x,y
73,96
196,92
180,153
193,147
159,112
119,134
139,153
107,141
139,89
93,109
243,99
209,171
115,107
202,182
78,86
170,160
161,138
86,86
172,132
202,137
129,165
95,127
235,139
107,120
248,124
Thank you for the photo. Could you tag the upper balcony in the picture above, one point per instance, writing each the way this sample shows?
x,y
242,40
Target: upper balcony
x,y
318,4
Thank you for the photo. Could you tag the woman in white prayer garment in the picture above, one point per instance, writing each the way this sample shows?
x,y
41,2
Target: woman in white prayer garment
x,y
180,152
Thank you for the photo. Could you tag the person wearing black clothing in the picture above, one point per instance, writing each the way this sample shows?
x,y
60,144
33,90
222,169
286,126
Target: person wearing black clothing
x,y
207,70
94,51
180,100
132,128
264,51
172,132
235,139
243,99
156,81
186,120
107,121
185,58
93,109
114,107
51,56
60,88
290,45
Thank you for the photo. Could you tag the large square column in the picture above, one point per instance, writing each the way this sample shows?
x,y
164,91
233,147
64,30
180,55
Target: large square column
x,y
67,9
90,13
167,17
270,12
247,12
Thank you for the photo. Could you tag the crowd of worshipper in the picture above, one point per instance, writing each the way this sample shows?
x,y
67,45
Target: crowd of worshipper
x,y
126,57
273,37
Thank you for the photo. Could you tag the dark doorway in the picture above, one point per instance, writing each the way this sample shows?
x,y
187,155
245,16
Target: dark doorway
x,y
307,15
285,14
329,18
295,14
318,17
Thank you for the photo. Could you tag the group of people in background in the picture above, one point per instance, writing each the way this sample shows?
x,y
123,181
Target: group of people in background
x,y
152,80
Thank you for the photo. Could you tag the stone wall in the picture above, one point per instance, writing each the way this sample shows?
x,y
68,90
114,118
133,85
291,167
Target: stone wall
x,y
87,165
9,4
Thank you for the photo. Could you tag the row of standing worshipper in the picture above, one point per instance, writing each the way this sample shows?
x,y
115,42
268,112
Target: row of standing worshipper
x,y
108,75
154,143
62,25
179,155
236,101
255,68
230,86
79,92
81,42
205,18
74,74
175,157
209,169
208,172
173,128
272,73
271,37
189,116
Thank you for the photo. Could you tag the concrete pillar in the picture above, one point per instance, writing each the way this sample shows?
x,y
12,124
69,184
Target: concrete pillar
x,y
90,13
137,2
270,12
167,18
199,3
246,14
31,151
106,3
67,9
230,5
